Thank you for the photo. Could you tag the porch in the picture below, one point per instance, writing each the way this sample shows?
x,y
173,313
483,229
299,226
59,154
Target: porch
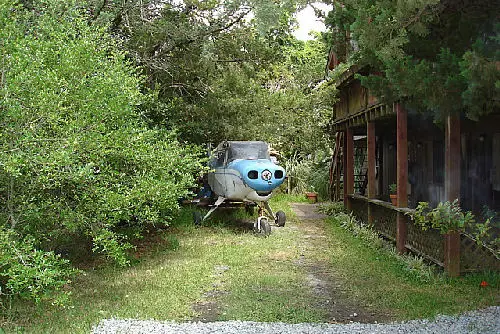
x,y
383,145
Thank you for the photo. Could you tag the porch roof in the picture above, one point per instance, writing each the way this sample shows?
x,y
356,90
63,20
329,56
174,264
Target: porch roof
x,y
362,117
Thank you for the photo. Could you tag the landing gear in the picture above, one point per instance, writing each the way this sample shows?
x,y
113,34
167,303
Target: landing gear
x,y
198,218
280,218
262,226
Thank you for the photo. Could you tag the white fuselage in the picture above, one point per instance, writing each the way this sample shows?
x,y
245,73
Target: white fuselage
x,y
229,184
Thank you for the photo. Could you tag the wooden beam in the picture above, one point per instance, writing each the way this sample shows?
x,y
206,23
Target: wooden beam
x,y
349,168
402,174
337,170
452,158
370,138
452,190
452,254
344,164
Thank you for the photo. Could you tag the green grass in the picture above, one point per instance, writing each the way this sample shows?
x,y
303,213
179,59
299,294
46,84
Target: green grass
x,y
263,283
383,281
173,273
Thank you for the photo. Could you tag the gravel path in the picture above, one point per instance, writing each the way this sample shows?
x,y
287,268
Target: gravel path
x,y
482,321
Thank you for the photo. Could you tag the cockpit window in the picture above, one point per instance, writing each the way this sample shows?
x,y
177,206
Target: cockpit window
x,y
248,150
217,159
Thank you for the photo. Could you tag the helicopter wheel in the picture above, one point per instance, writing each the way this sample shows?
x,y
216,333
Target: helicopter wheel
x,y
280,218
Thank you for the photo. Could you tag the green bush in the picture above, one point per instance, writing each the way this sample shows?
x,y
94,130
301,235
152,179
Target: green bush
x,y
332,208
446,217
77,156
31,273
311,174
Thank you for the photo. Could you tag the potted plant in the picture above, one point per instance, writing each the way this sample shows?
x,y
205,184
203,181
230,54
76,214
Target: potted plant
x,y
393,194
312,196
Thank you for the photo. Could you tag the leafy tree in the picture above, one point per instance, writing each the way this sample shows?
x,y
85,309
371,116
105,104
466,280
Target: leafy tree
x,y
78,160
439,56
212,65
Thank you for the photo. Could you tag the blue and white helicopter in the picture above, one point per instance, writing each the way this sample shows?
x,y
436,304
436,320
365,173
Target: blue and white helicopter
x,y
243,174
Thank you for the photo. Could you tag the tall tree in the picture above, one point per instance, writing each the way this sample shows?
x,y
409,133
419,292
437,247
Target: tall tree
x,y
208,61
439,55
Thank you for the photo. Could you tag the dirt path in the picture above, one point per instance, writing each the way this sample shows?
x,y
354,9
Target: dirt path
x,y
332,292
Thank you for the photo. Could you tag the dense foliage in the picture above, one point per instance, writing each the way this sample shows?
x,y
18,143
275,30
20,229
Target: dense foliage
x,y
103,102
222,73
78,161
438,55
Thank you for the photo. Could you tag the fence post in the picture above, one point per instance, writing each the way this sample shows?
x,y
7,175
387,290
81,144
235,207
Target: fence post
x,y
452,191
402,174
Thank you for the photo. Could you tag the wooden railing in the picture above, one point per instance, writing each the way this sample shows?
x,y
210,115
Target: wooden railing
x,y
428,244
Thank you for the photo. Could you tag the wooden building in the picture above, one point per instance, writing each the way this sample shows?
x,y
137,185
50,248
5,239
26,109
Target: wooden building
x,y
378,145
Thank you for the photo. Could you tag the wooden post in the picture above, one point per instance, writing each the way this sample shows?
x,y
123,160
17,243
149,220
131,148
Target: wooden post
x,y
452,158
338,154
337,179
349,168
370,138
402,174
344,166
452,191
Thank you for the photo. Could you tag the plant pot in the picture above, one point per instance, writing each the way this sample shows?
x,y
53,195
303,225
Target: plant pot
x,y
394,199
312,197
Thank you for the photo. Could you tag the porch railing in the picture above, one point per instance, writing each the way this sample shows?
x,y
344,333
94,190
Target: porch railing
x,y
428,244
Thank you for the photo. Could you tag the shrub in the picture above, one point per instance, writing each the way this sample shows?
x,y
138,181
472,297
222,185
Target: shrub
x,y
331,208
309,174
77,157
29,272
446,217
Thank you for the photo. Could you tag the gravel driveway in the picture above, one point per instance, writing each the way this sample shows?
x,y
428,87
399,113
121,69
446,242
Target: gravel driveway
x,y
482,321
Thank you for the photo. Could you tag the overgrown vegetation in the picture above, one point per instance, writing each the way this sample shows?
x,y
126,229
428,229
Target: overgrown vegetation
x,y
103,104
262,283
405,284
437,56
78,162
446,217
449,217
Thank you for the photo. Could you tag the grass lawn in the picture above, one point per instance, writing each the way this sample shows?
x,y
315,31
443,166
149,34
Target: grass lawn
x,y
177,270
382,280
